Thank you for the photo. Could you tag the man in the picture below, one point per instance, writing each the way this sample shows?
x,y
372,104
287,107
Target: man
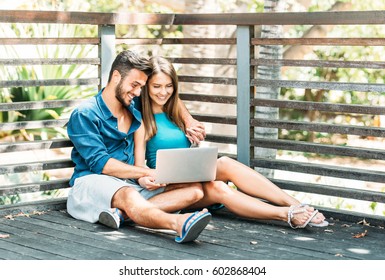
x,y
103,181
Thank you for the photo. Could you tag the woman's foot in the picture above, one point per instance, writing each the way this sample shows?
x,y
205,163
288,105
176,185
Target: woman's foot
x,y
299,216
319,220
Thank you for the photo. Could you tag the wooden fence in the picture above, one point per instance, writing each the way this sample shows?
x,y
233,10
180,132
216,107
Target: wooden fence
x,y
237,92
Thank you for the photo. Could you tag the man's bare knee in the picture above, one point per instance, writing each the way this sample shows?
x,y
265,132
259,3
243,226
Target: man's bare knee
x,y
218,190
128,200
223,165
123,194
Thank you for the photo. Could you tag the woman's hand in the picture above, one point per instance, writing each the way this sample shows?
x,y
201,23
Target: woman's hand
x,y
148,183
195,132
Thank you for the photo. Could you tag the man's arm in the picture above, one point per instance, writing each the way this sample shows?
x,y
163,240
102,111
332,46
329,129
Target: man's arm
x,y
120,169
86,137
195,130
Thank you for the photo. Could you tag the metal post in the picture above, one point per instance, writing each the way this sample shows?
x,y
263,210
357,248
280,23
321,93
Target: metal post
x,y
107,52
244,92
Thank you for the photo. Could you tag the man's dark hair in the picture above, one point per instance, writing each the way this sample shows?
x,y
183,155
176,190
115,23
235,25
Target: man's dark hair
x,y
128,60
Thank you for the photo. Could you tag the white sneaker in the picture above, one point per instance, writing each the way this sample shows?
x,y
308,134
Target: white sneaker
x,y
111,218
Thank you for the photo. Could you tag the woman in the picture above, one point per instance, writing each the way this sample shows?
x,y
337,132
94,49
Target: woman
x,y
162,128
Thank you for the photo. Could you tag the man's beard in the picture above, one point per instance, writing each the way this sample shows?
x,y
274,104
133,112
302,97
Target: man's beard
x,y
119,95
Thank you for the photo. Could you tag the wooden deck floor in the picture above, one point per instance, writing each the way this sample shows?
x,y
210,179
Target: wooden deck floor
x,y
55,235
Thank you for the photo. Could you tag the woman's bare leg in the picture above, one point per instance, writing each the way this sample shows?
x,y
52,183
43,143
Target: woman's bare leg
x,y
254,184
246,206
251,182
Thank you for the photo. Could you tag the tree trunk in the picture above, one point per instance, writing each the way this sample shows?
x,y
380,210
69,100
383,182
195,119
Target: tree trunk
x,y
272,92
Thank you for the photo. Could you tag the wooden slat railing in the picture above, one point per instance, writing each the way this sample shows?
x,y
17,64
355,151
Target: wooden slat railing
x,y
235,91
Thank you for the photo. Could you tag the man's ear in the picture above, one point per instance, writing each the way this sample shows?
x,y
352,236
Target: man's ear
x,y
116,77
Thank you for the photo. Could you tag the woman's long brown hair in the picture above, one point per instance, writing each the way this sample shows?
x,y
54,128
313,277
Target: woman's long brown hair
x,y
171,108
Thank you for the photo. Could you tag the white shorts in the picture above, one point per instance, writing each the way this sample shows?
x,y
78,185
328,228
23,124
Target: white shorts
x,y
91,194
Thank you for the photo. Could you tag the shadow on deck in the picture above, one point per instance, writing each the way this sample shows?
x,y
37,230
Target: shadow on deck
x,y
54,235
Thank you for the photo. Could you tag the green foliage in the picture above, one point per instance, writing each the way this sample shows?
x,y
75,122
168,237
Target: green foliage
x,y
10,199
338,53
39,72
373,206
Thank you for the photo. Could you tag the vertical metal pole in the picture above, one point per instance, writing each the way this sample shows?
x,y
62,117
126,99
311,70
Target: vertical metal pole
x,y
244,91
107,52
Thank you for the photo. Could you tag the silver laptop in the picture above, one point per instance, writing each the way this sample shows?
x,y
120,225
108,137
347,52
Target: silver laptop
x,y
186,165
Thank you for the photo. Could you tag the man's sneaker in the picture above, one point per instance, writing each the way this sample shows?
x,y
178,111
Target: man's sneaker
x,y
111,218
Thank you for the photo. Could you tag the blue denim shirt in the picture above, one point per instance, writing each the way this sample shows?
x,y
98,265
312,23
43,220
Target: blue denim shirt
x,y
94,133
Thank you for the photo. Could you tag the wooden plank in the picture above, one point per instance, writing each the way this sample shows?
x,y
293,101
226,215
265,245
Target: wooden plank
x,y
227,237
10,147
30,207
36,166
245,72
84,18
222,248
207,80
304,18
285,242
15,251
176,41
205,60
230,244
50,82
34,105
354,217
307,147
319,63
278,242
34,187
49,41
225,139
216,119
10,254
49,61
33,124
140,241
320,106
32,237
215,249
320,169
300,18
320,41
240,234
321,85
162,242
320,127
108,248
336,191
208,98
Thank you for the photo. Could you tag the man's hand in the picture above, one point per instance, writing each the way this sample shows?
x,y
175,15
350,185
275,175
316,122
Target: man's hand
x,y
148,183
195,132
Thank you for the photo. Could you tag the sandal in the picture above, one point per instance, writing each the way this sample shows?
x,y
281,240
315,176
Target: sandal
x,y
324,223
297,209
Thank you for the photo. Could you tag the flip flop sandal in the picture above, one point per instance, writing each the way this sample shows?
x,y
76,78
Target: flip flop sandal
x,y
195,228
297,209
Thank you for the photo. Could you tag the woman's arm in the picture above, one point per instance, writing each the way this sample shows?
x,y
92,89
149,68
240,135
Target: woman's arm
x,y
140,146
140,159
195,130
